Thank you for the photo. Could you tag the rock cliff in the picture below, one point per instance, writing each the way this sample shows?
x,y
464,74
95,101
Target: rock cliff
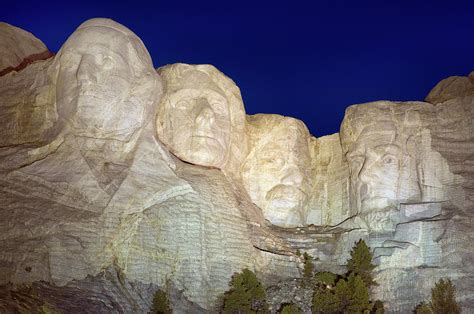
x,y
117,179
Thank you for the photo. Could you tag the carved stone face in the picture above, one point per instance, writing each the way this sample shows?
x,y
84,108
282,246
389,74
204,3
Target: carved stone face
x,y
382,170
382,157
275,174
104,82
196,118
200,120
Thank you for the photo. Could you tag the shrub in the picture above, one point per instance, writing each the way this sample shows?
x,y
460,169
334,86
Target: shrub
x,y
423,308
325,301
443,299
289,308
360,263
161,304
378,308
326,278
308,266
359,293
246,294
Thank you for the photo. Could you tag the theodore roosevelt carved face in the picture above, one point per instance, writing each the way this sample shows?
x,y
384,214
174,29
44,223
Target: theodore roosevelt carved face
x,y
201,116
275,173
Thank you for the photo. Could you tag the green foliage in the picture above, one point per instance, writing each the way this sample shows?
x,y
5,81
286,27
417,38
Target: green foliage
x,y
423,308
443,299
360,263
308,266
298,252
335,294
325,301
348,296
359,301
289,308
325,278
378,308
161,304
246,294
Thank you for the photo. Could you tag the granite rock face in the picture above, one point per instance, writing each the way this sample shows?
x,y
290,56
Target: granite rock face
x,y
201,117
92,186
19,48
117,179
276,171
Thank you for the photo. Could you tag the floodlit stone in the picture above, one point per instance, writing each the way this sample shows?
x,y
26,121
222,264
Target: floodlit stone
x,y
276,172
19,48
391,160
111,187
201,117
106,86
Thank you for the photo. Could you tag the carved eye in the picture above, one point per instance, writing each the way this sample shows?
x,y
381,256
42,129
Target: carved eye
x,y
389,159
182,105
273,162
108,62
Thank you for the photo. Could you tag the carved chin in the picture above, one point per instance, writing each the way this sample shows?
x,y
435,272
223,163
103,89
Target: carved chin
x,y
206,151
285,197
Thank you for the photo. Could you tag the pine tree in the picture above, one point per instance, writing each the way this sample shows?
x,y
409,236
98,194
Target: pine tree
x,y
423,308
360,263
443,299
246,294
325,301
161,304
326,278
308,266
289,308
378,308
359,301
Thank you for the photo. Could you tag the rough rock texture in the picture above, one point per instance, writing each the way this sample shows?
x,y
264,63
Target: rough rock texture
x,y
276,172
329,203
18,48
96,188
290,291
411,171
103,196
452,87
201,117
107,292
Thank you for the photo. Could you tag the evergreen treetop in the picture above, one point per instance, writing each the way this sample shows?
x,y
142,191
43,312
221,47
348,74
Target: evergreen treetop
x,y
360,263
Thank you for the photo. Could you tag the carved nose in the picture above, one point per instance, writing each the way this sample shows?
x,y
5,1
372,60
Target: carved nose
x,y
87,70
292,177
205,115
364,171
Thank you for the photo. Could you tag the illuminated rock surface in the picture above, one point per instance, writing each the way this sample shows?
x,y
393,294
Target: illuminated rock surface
x,y
19,48
116,179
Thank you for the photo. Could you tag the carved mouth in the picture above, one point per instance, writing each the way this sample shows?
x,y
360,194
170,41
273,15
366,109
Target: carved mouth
x,y
285,196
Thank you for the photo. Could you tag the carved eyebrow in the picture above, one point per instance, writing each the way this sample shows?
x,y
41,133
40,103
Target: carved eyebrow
x,y
390,147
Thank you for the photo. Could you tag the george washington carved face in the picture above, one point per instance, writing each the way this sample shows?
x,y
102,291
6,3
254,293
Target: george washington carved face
x,y
105,82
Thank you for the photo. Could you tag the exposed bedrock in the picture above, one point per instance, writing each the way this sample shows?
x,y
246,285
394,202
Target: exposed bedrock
x,y
117,179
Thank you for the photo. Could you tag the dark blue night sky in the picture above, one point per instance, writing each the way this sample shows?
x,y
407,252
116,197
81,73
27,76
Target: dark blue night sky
x,y
295,59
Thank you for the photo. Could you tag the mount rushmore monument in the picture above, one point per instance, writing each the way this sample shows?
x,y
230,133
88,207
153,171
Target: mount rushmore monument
x,y
117,179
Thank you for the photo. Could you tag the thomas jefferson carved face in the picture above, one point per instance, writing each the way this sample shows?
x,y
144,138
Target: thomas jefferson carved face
x,y
275,173
106,81
196,117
